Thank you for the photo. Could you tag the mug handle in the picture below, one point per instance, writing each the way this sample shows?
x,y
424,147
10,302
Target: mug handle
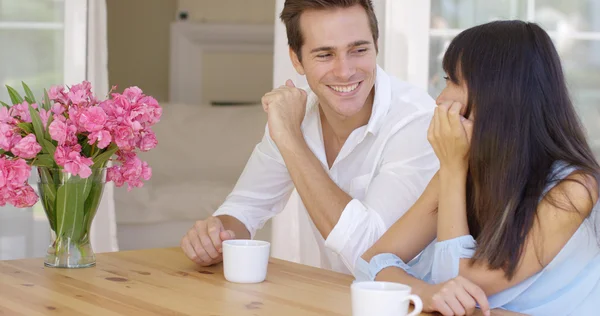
x,y
418,304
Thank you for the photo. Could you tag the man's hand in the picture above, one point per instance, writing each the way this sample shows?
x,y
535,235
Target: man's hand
x,y
458,296
285,107
203,242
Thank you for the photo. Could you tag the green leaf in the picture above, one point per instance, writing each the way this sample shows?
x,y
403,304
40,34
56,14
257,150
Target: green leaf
x,y
38,127
47,105
5,105
2,151
101,159
86,149
48,147
70,200
93,200
47,128
48,195
44,160
15,97
28,93
27,127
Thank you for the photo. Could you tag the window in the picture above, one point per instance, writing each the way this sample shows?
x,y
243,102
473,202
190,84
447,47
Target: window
x,y
574,26
43,43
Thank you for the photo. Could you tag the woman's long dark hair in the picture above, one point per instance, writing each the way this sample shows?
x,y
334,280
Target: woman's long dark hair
x,y
524,121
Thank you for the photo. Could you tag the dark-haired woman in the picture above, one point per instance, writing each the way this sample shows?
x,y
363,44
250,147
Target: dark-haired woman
x,y
511,219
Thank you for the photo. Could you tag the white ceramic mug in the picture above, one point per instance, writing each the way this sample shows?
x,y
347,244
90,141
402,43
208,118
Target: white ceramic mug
x,y
374,298
245,261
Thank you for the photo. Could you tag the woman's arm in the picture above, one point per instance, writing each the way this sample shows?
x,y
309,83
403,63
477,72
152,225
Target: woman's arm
x,y
458,296
452,216
556,222
553,226
409,236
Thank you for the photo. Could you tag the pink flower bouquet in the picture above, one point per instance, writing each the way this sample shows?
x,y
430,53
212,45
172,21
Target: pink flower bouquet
x,y
70,137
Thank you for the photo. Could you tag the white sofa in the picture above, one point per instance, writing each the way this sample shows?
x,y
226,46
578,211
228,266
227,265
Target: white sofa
x,y
201,152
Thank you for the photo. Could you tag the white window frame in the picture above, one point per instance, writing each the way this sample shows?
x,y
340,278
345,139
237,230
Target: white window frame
x,y
75,38
75,41
406,30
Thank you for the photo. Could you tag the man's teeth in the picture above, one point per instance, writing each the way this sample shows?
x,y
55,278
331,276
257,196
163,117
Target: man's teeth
x,y
349,88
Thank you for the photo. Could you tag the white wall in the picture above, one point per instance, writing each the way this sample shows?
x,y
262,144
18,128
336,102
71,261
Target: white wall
x,y
138,44
228,11
232,76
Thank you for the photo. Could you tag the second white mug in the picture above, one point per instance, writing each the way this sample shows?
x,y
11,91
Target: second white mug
x,y
383,299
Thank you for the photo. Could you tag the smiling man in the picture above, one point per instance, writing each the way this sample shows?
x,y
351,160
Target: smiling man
x,y
353,146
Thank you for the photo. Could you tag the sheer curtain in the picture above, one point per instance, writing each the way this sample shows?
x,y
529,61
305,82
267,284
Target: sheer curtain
x,y
104,230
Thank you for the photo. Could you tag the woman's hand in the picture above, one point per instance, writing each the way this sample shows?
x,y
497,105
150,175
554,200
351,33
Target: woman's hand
x,y
458,296
450,136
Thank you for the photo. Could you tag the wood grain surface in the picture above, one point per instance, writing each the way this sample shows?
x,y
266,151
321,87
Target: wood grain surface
x,y
165,282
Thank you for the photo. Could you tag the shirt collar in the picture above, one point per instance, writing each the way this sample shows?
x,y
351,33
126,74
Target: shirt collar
x,y
381,101
381,106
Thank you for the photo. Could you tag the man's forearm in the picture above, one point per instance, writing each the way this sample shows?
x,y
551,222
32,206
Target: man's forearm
x,y
323,199
235,225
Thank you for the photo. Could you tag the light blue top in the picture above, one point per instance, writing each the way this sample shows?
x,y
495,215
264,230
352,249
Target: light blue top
x,y
568,285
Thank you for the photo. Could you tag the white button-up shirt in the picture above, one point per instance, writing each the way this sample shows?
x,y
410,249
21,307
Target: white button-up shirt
x,y
384,166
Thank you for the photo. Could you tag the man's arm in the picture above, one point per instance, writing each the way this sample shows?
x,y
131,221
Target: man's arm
x,y
323,199
351,225
235,225
261,191
259,194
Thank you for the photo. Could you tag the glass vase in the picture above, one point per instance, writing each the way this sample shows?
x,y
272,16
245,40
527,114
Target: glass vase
x,y
70,203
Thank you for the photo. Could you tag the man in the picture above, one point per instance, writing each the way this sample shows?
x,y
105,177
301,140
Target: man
x,y
353,146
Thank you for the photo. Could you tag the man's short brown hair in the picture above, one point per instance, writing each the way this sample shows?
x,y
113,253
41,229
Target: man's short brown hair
x,y
292,9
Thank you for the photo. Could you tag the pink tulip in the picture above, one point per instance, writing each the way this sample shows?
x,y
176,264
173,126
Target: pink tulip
x,y
45,115
5,117
24,196
93,119
148,140
102,137
9,136
70,158
22,111
63,132
27,147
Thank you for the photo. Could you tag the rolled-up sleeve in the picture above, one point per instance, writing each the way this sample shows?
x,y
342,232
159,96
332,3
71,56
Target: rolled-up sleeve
x,y
408,164
367,271
262,189
447,255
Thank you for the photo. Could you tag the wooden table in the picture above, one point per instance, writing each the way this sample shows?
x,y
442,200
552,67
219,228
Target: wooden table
x,y
165,282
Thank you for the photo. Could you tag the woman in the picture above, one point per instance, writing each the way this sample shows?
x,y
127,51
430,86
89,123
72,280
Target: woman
x,y
510,220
